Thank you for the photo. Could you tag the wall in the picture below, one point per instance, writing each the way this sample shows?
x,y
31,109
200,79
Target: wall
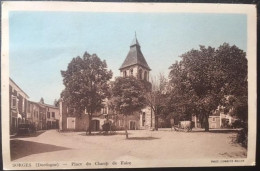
x,y
63,116
35,115
214,122
42,114
52,121
120,122
149,119
82,123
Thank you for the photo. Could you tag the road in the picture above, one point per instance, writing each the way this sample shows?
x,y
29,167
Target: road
x,y
143,145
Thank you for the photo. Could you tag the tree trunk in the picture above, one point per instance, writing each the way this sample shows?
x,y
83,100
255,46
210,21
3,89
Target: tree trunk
x,y
156,122
89,125
206,121
126,133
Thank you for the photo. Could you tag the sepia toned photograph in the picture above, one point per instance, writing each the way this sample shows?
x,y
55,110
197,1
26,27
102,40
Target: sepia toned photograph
x,y
127,85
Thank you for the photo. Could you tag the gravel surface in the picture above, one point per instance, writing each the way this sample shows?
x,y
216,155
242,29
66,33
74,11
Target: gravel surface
x,y
164,144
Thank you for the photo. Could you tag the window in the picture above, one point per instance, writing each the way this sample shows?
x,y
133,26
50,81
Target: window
x,y
213,119
23,107
48,114
145,76
53,114
104,110
125,73
14,102
28,107
132,72
140,73
143,119
11,88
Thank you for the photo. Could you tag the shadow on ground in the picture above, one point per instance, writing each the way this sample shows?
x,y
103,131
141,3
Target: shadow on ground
x,y
218,131
142,138
202,130
239,154
20,148
27,135
103,134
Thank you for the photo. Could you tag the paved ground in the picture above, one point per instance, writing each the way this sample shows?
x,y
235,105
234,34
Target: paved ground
x,y
163,144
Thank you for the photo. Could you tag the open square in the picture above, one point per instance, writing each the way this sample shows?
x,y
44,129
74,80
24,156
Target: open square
x,y
142,145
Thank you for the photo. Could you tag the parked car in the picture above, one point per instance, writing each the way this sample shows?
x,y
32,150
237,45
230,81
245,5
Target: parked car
x,y
26,129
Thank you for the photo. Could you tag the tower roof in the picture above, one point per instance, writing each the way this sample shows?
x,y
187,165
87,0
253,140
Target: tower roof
x,y
135,56
135,42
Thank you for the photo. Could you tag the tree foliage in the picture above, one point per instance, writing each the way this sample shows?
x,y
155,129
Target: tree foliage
x,y
203,78
86,84
128,96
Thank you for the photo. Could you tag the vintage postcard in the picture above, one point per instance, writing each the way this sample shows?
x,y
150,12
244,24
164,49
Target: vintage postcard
x,y
127,85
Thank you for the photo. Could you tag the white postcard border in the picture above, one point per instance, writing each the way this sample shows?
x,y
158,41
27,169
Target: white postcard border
x,y
249,10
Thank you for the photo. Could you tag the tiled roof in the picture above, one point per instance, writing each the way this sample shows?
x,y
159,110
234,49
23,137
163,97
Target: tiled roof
x,y
135,56
44,104
10,80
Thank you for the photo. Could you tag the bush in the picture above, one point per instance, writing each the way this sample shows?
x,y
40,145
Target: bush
x,y
106,127
242,136
237,124
225,123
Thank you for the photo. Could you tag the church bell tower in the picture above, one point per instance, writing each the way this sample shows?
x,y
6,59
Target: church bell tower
x,y
135,63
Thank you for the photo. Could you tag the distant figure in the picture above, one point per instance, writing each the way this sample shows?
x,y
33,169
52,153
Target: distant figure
x,y
172,123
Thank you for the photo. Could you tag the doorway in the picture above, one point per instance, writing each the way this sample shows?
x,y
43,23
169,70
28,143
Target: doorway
x,y
132,125
95,125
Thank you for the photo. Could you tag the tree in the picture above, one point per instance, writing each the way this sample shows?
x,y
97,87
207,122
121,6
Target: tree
x,y
128,96
155,94
42,100
206,76
86,84
56,103
235,89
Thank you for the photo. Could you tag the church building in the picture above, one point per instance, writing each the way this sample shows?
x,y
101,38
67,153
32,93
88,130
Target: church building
x,y
136,65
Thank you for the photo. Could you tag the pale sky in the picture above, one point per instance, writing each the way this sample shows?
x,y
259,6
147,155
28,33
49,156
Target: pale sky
x,y
43,43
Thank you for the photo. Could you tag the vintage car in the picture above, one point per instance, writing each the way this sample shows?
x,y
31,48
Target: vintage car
x,y
26,129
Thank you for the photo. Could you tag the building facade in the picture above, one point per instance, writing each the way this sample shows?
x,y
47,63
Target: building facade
x,y
218,119
18,105
52,116
71,121
22,110
34,116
